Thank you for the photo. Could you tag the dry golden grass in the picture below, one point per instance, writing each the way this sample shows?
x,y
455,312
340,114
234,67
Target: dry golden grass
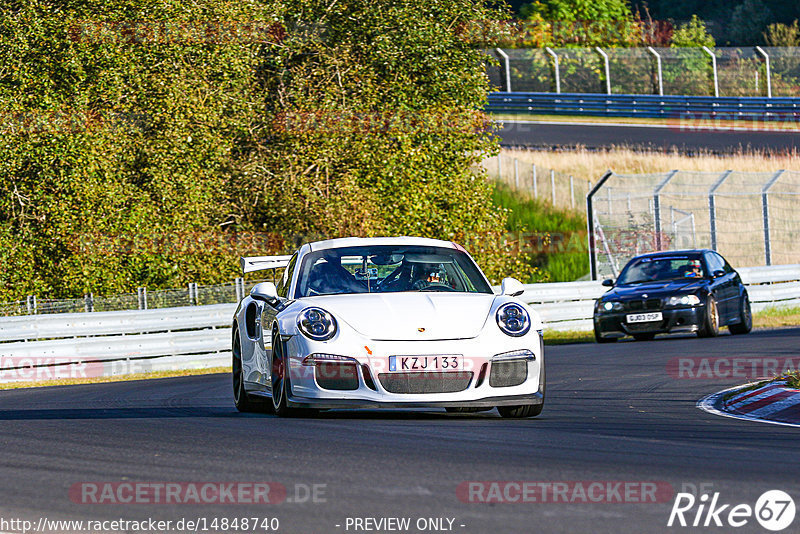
x,y
591,165
118,378
776,317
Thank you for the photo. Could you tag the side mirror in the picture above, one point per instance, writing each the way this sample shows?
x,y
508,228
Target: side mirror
x,y
511,287
265,291
717,274
608,283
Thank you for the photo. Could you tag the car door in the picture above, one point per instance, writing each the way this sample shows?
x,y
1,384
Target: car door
x,y
724,286
734,302
268,314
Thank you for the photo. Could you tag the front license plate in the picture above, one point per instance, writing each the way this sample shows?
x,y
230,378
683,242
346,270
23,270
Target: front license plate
x,y
426,363
644,317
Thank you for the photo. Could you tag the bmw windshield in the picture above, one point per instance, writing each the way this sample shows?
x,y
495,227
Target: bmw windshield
x,y
388,269
662,268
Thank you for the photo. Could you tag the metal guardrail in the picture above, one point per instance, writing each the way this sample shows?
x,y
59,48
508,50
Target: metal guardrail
x,y
570,305
76,345
646,106
108,343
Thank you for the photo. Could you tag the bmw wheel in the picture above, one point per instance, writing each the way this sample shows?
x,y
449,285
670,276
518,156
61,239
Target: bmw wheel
x,y
600,339
710,326
745,318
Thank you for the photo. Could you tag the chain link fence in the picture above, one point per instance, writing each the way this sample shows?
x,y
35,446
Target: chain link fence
x,y
560,190
734,72
750,218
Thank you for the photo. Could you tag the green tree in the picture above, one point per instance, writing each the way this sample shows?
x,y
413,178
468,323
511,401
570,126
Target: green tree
x,y
748,22
135,153
692,33
782,34
582,23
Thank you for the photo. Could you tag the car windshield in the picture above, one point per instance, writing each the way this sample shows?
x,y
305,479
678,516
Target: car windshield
x,y
660,268
388,269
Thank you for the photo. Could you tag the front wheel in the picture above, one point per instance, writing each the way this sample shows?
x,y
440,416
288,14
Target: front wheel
x,y
240,398
745,324
601,339
279,378
710,326
519,412
281,384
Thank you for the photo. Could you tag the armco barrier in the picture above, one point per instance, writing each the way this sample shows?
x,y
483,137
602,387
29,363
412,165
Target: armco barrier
x,y
646,106
199,336
570,305
115,342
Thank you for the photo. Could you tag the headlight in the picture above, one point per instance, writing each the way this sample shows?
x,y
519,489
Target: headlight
x,y
317,324
609,306
513,319
683,300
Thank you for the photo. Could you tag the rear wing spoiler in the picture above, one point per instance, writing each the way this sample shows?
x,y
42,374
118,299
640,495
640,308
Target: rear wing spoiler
x,y
259,263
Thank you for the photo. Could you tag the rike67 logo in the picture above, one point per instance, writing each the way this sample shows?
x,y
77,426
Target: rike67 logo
x,y
774,510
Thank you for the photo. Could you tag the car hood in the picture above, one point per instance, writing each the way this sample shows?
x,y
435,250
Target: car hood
x,y
410,316
656,289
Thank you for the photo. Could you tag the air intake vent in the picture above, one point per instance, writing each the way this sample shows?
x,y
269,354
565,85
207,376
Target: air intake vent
x,y
425,382
336,376
507,374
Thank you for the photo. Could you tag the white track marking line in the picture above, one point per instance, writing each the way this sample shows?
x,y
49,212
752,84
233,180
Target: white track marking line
x,y
707,404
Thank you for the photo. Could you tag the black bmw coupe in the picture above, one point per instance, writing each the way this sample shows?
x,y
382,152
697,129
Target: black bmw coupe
x,y
676,291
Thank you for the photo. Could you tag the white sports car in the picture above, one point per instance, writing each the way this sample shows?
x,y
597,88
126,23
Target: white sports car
x,y
385,322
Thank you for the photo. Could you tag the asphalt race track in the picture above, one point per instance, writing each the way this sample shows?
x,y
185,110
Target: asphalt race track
x,y
613,413
545,134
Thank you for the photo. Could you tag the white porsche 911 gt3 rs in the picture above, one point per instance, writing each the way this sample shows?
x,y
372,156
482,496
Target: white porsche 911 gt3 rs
x,y
385,322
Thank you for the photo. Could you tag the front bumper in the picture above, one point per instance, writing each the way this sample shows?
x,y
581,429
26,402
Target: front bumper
x,y
372,380
674,320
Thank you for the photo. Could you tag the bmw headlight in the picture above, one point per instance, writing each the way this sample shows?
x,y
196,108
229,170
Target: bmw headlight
x,y
316,324
513,319
609,306
683,300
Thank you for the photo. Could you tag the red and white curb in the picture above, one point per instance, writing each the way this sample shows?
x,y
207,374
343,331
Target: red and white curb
x,y
773,403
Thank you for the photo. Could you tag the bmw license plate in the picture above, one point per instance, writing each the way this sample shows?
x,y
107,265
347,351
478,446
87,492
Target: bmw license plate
x,y
644,317
426,363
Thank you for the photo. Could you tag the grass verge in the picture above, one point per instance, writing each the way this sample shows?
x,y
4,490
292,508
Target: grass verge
x,y
769,318
528,214
116,378
552,337
793,379
776,317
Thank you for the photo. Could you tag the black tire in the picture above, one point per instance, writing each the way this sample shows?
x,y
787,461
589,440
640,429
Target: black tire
x,y
601,339
281,384
527,410
519,412
279,377
644,337
710,326
240,398
746,318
